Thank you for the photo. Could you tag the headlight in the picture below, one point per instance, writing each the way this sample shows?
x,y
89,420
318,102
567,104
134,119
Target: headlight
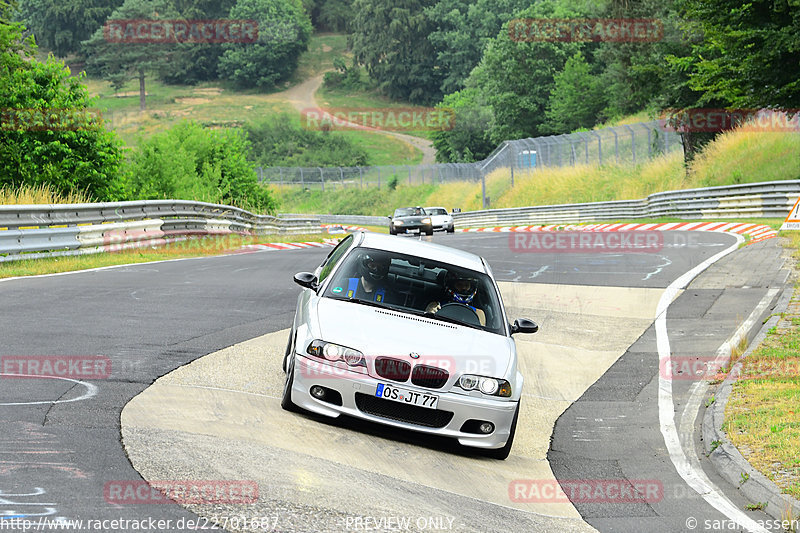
x,y
398,222
488,386
426,221
335,352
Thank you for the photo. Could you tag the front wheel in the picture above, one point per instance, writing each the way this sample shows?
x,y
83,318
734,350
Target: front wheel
x,y
451,229
429,231
503,453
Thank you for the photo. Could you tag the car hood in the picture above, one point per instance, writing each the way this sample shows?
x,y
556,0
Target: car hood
x,y
383,332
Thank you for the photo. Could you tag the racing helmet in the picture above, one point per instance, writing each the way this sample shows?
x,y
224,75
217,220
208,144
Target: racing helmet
x,y
374,266
461,288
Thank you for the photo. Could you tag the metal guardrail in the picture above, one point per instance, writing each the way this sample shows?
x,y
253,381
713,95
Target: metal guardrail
x,y
45,230
752,200
755,200
348,220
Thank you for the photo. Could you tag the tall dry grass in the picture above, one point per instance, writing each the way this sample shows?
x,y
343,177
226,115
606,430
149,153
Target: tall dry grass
x,y
42,193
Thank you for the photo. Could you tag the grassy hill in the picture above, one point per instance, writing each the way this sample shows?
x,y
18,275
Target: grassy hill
x,y
734,157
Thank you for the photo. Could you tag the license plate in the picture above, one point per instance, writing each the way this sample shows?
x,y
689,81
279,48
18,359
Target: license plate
x,y
395,394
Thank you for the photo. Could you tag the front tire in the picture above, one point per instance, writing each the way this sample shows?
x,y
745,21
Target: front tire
x,y
451,229
503,453
429,231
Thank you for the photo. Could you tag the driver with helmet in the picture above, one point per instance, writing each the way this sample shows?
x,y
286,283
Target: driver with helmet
x,y
459,289
370,281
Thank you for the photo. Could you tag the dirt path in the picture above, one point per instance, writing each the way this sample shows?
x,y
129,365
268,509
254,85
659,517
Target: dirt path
x,y
302,97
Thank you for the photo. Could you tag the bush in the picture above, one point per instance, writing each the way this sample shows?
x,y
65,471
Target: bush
x,y
48,134
284,30
279,141
192,163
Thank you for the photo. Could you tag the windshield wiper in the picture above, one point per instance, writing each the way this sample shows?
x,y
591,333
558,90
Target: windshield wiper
x,y
359,301
436,316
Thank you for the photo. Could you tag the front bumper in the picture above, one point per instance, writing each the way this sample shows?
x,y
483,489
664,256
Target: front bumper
x,y
412,226
309,372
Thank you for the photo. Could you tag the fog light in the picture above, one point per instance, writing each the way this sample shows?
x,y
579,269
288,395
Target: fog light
x,y
318,392
486,428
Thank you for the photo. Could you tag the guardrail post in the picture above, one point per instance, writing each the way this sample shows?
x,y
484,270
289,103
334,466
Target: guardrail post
x,y
322,179
280,171
379,177
409,174
302,180
341,177
361,177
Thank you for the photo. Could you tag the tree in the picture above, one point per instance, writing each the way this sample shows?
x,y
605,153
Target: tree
x,y
469,139
121,56
47,132
61,26
516,76
462,30
576,98
192,163
284,30
389,37
194,62
750,54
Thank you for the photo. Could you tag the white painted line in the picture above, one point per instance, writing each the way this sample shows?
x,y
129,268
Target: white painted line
x,y
699,388
91,390
692,475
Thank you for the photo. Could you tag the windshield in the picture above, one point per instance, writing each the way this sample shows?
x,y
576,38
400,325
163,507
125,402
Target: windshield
x,y
420,286
435,211
409,212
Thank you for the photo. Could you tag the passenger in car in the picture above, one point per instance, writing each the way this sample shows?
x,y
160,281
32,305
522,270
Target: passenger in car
x,y
371,281
458,289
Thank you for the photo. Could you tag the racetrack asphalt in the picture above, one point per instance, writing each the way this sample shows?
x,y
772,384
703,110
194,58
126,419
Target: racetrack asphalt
x,y
151,319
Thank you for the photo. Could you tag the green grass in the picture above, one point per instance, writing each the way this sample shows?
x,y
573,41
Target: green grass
x,y
322,50
201,247
207,103
338,98
762,417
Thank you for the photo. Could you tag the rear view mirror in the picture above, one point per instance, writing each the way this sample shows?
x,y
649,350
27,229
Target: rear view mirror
x,y
523,325
307,280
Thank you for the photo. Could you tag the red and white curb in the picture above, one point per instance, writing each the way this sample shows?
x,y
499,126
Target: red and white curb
x,y
287,245
756,232
345,228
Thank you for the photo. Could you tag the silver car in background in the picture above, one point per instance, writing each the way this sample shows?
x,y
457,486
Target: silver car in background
x,y
408,334
441,219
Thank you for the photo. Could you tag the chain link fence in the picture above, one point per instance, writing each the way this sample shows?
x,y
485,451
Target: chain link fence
x,y
627,144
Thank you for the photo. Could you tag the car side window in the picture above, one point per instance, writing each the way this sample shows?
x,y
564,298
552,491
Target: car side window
x,y
334,257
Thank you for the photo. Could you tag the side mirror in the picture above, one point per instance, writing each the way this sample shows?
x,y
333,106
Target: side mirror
x,y
523,325
307,280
